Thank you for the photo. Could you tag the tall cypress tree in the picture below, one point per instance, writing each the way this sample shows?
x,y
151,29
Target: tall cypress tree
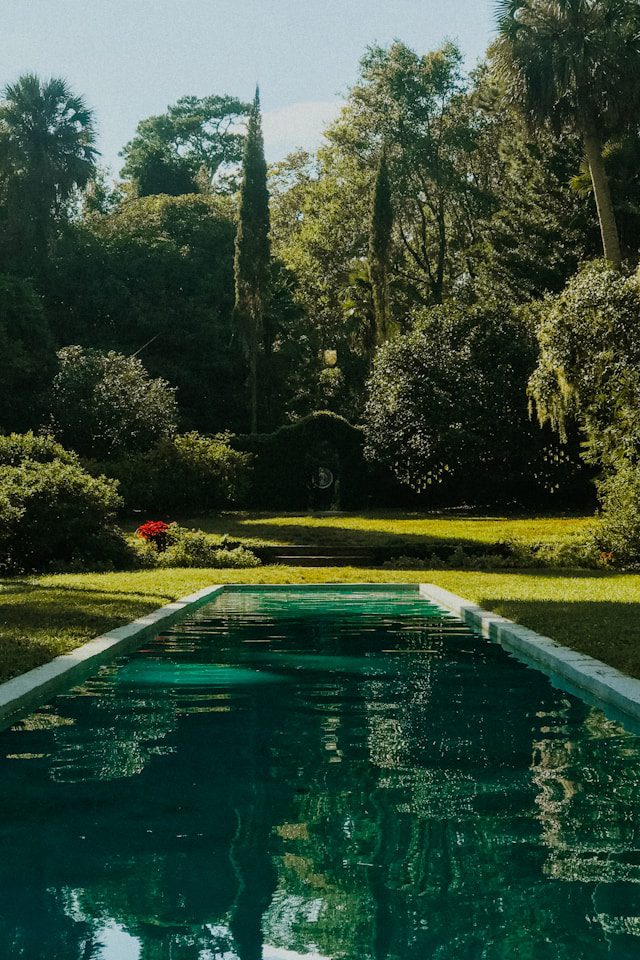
x,y
252,264
380,247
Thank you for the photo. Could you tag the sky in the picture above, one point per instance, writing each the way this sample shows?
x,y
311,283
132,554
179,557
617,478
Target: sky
x,y
131,58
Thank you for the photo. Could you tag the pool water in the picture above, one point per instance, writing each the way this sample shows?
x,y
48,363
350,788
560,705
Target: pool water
x,y
321,774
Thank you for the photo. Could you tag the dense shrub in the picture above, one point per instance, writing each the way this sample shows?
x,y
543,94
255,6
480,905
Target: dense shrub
x,y
447,410
28,355
619,533
193,548
39,448
287,461
180,547
56,513
157,273
187,472
589,365
589,370
510,555
106,404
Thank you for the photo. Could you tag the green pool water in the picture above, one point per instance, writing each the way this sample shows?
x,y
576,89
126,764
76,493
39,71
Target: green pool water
x,y
319,774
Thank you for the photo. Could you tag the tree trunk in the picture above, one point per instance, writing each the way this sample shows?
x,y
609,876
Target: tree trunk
x,y
253,388
602,193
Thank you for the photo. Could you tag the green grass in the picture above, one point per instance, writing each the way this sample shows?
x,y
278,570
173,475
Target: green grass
x,y
388,529
596,612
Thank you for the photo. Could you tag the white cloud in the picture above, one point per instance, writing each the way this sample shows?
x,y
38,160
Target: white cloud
x,y
297,125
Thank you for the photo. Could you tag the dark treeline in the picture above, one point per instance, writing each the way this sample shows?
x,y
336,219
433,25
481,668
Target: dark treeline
x,y
404,277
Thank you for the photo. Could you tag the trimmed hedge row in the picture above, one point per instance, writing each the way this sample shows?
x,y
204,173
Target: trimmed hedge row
x,y
286,464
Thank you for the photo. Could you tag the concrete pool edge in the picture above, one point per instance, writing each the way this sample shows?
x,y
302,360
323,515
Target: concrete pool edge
x,y
605,683
30,690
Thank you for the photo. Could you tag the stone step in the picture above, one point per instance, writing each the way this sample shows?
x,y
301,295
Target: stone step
x,y
316,555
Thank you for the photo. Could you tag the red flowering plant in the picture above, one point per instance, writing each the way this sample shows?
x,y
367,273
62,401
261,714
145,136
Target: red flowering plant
x,y
154,531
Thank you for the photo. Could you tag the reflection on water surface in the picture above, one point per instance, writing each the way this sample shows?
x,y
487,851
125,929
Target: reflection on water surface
x,y
319,775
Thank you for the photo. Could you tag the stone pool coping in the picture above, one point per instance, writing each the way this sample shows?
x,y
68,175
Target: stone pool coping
x,y
606,684
32,689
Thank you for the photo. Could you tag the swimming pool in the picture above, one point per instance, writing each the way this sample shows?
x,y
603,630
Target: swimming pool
x,y
320,773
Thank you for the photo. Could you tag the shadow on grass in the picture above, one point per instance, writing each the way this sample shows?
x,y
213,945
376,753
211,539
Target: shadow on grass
x,y
376,541
40,621
13,588
605,629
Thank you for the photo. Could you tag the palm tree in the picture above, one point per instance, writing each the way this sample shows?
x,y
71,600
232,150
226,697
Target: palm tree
x,y
575,63
47,151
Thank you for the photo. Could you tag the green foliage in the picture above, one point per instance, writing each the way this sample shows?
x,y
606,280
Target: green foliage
x,y
170,150
187,472
444,169
28,355
252,265
575,63
416,106
447,406
47,151
622,161
286,461
571,62
53,512
105,404
380,238
538,229
576,554
37,448
589,363
193,548
619,532
156,276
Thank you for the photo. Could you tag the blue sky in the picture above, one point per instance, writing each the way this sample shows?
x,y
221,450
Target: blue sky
x,y
130,58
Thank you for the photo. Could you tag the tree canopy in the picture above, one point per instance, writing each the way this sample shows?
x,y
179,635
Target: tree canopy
x,y
185,149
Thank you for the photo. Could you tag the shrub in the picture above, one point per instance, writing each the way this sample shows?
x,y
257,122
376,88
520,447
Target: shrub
x,y
56,513
187,472
447,410
193,548
619,533
39,448
589,365
105,404
512,555
155,532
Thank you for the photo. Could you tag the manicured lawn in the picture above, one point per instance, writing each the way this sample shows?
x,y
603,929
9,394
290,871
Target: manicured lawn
x,y
596,612
386,528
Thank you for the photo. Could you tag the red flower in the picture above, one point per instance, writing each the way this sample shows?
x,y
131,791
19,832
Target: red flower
x,y
154,531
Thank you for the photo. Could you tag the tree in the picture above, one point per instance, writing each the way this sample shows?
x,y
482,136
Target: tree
x,y
47,151
589,363
417,106
28,356
253,254
537,228
575,63
379,248
105,404
195,136
441,185
447,409
156,276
